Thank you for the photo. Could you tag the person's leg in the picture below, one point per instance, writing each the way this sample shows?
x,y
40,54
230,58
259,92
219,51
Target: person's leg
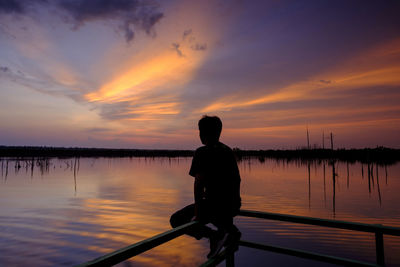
x,y
182,216
227,234
225,225
223,222
185,215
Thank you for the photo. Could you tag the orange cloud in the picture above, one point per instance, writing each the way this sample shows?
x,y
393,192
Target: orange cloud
x,y
147,75
361,71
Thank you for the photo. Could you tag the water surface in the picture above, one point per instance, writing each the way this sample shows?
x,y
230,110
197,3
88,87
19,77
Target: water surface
x,y
62,212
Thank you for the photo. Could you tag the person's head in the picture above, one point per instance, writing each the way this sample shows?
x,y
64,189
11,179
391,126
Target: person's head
x,y
210,128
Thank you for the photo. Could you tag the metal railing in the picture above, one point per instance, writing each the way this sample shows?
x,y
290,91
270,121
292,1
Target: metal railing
x,y
377,229
130,251
228,253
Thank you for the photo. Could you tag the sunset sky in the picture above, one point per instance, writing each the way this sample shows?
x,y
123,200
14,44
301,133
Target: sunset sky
x,y
140,74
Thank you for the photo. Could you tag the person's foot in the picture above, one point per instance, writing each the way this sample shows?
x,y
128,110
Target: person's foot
x,y
213,243
217,241
234,237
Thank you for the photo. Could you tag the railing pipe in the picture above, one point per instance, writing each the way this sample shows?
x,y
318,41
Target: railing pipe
x,y
306,254
228,254
378,229
140,247
363,227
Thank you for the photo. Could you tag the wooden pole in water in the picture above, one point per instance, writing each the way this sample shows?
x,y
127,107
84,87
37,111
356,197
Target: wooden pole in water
x,y
334,188
324,186
369,179
323,140
348,175
309,186
386,172
308,139
362,170
377,182
331,141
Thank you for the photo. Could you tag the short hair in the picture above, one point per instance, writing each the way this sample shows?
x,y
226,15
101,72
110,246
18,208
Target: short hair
x,y
211,127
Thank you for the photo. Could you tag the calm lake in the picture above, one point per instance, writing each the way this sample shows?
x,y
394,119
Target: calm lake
x,y
63,212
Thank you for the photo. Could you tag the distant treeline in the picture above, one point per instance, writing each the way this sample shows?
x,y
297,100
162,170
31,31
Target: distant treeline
x,y
64,152
379,155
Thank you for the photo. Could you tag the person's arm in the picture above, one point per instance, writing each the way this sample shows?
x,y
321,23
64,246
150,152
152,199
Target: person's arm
x,y
198,194
236,201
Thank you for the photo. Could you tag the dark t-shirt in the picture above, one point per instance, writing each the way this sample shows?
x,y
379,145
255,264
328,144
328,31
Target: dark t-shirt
x,y
217,165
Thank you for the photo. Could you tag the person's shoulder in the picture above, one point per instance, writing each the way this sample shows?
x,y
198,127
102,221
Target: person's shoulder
x,y
224,147
200,151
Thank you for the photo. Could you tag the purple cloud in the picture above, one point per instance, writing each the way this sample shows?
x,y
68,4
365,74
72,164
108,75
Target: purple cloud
x,y
132,15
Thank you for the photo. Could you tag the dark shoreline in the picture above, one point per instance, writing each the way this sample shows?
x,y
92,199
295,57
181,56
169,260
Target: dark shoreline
x,y
378,155
72,152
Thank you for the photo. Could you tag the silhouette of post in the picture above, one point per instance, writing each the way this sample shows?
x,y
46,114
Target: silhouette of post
x,y
348,174
324,186
386,172
32,166
331,141
309,185
377,182
5,177
308,139
334,188
362,170
369,179
372,175
76,160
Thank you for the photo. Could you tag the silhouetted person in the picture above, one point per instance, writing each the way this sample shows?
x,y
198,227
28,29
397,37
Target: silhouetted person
x,y
216,189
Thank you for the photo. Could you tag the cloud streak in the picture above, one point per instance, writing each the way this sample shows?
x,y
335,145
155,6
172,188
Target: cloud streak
x,y
347,77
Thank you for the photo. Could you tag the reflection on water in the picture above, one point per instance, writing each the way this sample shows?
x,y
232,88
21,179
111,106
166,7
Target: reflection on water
x,y
67,211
